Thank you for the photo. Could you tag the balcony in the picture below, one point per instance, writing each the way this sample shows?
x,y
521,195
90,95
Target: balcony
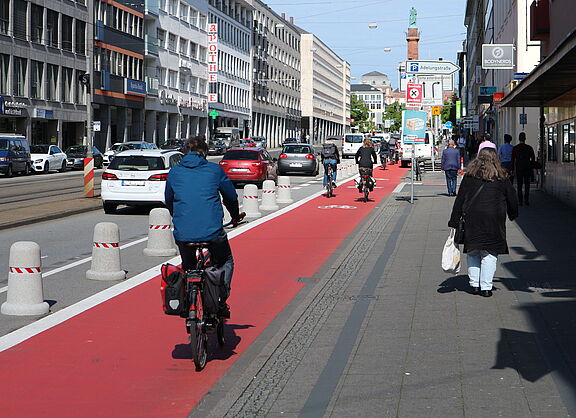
x,y
151,8
151,45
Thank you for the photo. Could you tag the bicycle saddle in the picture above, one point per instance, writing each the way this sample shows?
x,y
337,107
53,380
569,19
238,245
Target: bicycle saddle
x,y
197,244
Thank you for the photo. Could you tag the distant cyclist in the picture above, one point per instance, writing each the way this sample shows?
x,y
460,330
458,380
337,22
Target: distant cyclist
x,y
366,158
192,196
330,157
384,152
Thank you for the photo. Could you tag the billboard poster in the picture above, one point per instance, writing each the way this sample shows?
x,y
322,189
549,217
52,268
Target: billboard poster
x,y
414,126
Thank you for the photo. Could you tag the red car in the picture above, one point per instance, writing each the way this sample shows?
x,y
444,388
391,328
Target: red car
x,y
249,165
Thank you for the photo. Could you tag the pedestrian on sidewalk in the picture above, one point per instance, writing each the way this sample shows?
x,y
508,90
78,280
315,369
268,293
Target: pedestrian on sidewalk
x,y
485,197
450,166
486,142
523,159
505,155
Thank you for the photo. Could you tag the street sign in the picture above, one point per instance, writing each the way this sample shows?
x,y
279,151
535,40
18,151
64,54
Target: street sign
x,y
448,125
431,67
487,90
498,97
213,114
97,125
520,76
436,110
498,56
414,94
447,80
405,79
432,91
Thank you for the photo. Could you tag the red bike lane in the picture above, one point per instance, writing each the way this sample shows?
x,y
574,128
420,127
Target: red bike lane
x,y
124,357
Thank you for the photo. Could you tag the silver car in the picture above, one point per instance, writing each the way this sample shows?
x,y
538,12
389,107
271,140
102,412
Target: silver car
x,y
298,158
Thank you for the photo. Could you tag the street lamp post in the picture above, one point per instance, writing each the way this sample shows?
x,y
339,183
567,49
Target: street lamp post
x,y
87,79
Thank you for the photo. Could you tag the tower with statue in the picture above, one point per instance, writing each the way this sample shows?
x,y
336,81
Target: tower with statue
x,y
413,35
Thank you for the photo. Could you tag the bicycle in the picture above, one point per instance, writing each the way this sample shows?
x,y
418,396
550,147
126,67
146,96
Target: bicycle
x,y
383,160
365,177
329,181
199,322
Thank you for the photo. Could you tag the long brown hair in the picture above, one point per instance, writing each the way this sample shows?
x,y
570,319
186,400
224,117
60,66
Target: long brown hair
x,y
486,166
367,143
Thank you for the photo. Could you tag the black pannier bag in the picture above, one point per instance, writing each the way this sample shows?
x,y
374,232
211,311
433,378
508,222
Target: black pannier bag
x,y
173,290
214,289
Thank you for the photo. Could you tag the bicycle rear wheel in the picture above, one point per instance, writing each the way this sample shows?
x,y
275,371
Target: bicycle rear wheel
x,y
198,337
220,332
366,192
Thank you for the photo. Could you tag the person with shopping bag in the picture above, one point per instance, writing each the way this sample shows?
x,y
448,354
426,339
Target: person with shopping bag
x,y
485,197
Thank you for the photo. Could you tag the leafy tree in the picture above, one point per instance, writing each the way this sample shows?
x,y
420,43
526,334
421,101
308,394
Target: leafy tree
x,y
359,112
449,110
394,112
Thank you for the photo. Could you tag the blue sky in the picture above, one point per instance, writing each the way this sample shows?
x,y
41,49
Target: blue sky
x,y
343,26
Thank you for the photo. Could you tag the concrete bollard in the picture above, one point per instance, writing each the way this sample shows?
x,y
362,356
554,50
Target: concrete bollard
x,y
160,238
106,253
269,196
25,294
284,190
250,201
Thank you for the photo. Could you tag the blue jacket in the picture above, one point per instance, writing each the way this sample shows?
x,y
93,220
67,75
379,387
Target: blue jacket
x,y
450,159
192,196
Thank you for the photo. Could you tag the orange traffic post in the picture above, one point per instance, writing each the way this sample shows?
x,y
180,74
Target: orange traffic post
x,y
88,177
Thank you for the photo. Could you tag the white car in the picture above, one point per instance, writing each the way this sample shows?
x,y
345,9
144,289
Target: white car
x,y
137,177
46,158
123,146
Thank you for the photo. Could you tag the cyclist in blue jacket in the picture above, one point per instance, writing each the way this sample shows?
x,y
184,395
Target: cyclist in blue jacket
x,y
192,196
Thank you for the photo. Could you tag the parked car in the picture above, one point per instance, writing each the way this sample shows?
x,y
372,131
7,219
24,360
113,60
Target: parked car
x,y
47,157
260,141
292,141
243,165
298,159
137,177
177,144
75,156
123,146
14,155
217,147
247,142
351,144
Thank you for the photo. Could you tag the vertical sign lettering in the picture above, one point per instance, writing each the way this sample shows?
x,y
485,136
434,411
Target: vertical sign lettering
x,y
212,61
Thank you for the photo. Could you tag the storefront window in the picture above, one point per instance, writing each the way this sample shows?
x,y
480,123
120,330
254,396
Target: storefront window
x,y
4,62
572,144
552,143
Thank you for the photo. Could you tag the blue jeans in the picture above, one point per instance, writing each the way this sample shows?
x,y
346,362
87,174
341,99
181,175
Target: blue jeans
x,y
334,170
481,268
451,180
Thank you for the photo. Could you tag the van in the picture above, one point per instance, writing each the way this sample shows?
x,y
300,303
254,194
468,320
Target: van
x,y
14,155
422,151
229,134
351,144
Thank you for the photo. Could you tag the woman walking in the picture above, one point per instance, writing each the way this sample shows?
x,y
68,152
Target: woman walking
x,y
484,199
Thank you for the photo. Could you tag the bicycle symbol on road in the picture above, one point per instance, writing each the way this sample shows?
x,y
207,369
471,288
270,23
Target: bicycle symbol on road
x,y
337,207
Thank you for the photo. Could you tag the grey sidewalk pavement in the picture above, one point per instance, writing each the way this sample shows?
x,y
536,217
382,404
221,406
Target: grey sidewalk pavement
x,y
383,331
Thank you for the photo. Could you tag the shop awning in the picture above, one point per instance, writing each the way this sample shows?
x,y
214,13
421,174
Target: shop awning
x,y
552,82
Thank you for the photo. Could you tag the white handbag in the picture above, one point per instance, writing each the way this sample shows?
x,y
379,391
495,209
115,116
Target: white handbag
x,y
451,255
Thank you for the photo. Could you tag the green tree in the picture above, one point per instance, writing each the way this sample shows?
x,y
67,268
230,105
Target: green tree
x,y
394,112
359,112
449,110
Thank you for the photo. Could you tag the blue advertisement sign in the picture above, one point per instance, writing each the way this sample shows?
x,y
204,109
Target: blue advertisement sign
x,y
135,87
414,126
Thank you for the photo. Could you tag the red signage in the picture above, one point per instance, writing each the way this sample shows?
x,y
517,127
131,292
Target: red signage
x,y
498,97
413,94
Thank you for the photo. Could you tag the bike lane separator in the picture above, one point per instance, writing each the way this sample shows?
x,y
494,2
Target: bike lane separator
x,y
125,357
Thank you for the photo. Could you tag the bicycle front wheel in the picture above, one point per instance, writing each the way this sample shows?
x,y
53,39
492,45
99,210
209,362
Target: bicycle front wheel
x,y
198,337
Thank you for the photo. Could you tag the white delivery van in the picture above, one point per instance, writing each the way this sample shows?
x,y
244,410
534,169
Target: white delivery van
x,y
229,134
422,151
351,144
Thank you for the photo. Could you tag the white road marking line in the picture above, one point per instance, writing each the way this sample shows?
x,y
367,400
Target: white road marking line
x,y
22,334
399,188
296,188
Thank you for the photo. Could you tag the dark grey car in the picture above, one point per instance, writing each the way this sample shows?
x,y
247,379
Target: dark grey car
x,y
298,158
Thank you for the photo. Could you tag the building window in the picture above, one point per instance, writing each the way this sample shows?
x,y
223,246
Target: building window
x,y
172,79
80,37
568,143
36,79
37,24
183,80
183,12
161,35
4,17
552,143
183,46
19,88
52,28
20,18
193,50
4,64
80,89
193,17
66,85
173,7
172,42
52,82
202,22
67,23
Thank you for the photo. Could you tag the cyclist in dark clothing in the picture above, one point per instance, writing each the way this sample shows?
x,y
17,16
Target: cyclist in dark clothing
x,y
384,152
366,158
330,156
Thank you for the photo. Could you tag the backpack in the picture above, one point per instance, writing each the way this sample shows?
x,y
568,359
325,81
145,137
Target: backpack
x,y
173,290
214,289
329,151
